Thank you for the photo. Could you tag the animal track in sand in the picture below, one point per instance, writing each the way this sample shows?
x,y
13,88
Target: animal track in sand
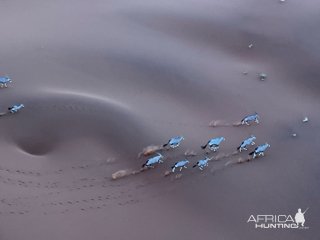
x,y
28,172
29,183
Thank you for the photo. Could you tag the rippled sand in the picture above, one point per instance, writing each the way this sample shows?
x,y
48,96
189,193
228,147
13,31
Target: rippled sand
x,y
101,80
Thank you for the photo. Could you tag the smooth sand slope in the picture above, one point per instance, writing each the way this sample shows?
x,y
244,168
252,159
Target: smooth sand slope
x,y
101,80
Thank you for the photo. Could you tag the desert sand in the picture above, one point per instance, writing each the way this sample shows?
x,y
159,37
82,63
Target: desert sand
x,y
101,80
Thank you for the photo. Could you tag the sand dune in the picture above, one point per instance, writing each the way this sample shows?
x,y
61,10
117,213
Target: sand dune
x,y
102,80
